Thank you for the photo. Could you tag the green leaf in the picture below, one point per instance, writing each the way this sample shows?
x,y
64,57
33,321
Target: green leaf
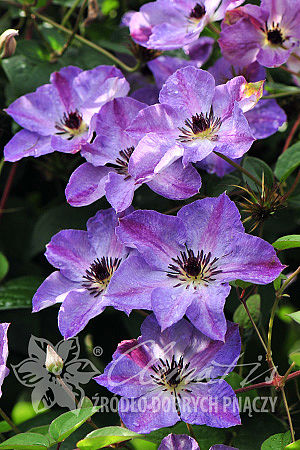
x,y
288,162
284,242
257,167
295,316
67,423
18,292
240,283
4,266
241,317
277,282
105,437
275,88
293,446
277,441
4,427
295,357
26,441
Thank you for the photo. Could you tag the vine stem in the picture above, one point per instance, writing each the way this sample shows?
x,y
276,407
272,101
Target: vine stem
x,y
238,167
70,12
263,384
88,43
281,94
7,188
9,421
72,35
288,413
293,187
291,134
296,74
254,324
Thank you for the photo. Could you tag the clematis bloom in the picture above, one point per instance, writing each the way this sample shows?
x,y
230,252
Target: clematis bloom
x,y
57,115
164,377
192,121
267,33
108,170
185,263
87,262
168,25
3,353
184,442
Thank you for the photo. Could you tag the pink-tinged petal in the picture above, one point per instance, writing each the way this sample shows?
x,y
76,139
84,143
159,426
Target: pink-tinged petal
x,y
128,374
206,312
77,309
211,224
183,90
53,290
73,145
86,184
152,155
3,353
160,119
63,82
226,5
178,442
216,405
265,119
119,192
25,143
102,236
235,47
156,236
71,252
38,111
131,285
98,86
170,304
235,137
176,182
152,417
251,259
140,28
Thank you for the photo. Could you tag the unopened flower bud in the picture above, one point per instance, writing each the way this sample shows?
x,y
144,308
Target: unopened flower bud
x,y
54,362
8,43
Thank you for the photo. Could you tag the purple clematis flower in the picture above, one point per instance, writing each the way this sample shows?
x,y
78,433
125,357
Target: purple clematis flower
x,y
168,25
184,442
264,119
191,122
185,263
267,34
109,172
164,377
4,371
87,262
57,115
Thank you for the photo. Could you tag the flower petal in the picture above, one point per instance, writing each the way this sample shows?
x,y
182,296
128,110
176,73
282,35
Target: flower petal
x,y
26,143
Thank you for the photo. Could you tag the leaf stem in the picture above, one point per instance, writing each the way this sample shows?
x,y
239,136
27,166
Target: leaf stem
x,y
281,94
7,187
191,431
89,43
238,167
9,421
254,324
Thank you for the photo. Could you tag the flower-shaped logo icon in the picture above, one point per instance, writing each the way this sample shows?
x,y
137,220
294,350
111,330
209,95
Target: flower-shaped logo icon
x,y
49,388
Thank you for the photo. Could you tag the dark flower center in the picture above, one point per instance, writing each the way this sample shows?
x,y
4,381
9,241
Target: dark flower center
x,y
200,126
71,124
193,269
274,34
198,11
173,375
121,164
98,276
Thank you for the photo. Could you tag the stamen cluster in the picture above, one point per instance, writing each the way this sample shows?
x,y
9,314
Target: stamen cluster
x,y
99,274
200,126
